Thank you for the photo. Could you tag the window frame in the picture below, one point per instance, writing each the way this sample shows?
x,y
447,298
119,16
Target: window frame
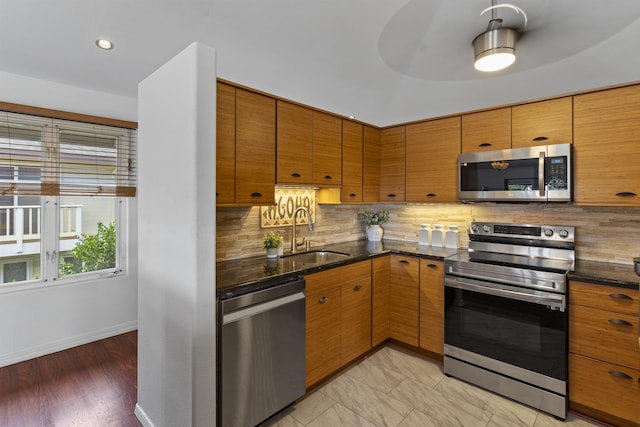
x,y
50,205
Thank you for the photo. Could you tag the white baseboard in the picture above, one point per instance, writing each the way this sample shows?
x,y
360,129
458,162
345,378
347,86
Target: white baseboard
x,y
41,350
142,417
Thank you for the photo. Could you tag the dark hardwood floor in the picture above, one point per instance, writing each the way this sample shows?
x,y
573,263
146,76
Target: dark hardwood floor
x,y
90,385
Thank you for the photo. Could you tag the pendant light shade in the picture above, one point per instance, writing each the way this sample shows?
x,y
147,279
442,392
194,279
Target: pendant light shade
x,y
495,49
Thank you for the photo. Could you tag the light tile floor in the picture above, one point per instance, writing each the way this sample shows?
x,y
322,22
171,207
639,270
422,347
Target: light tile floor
x,y
393,387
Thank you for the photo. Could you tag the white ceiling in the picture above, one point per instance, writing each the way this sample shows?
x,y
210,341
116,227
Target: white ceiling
x,y
384,61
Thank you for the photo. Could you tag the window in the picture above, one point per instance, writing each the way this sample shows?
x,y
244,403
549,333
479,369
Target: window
x,y
63,198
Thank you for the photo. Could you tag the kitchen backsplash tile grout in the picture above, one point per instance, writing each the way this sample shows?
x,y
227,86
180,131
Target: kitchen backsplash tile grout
x,y
602,233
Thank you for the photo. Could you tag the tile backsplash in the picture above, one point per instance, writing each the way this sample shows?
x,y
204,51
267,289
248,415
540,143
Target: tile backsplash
x,y
602,233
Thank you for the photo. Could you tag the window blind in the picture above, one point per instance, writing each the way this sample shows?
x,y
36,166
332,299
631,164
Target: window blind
x,y
40,156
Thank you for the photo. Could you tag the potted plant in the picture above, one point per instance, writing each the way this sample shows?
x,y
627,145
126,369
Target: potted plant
x,y
271,242
374,219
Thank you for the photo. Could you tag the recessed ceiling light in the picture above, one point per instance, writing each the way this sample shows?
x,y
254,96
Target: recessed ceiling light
x,y
104,44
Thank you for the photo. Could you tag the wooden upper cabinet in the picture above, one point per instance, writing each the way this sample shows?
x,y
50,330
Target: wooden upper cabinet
x,y
371,165
327,149
392,164
486,130
606,141
352,134
255,148
542,123
432,152
295,144
225,143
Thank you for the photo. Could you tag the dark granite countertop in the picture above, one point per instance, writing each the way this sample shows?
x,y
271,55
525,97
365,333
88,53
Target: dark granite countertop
x,y
237,277
250,274
621,275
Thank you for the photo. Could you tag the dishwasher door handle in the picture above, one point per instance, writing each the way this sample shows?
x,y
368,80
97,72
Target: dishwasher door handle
x,y
260,308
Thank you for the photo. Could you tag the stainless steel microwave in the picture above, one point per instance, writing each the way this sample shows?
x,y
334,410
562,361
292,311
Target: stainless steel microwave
x,y
531,174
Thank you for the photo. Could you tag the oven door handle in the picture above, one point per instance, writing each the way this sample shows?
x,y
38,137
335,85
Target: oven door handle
x,y
554,301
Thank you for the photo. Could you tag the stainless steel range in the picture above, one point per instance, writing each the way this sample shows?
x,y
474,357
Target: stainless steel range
x,y
505,312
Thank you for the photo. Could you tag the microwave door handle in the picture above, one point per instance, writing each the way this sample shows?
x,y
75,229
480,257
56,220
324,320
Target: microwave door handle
x,y
541,186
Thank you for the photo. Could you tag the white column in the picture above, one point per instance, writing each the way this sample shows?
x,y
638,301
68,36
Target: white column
x,y
176,253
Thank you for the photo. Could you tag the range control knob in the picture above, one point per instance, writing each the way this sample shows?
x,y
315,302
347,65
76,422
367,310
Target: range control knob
x,y
563,233
486,228
548,232
475,228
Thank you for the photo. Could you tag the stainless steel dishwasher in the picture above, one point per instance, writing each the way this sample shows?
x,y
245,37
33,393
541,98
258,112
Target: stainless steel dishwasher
x,y
261,353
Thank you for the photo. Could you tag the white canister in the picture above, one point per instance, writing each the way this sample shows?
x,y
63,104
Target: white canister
x,y
437,235
451,237
424,235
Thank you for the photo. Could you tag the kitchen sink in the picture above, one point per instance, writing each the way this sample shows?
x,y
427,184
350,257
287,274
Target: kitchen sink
x,y
316,257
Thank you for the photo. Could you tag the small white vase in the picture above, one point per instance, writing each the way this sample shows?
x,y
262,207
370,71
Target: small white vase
x,y
374,233
272,252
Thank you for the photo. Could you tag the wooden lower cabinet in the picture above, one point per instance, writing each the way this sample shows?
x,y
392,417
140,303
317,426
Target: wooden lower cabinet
x,y
356,319
323,333
338,327
380,276
611,389
432,306
404,305
604,357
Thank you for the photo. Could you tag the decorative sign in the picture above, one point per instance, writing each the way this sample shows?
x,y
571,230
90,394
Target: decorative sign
x,y
287,201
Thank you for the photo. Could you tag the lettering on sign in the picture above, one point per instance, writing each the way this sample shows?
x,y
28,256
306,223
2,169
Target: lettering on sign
x,y
287,201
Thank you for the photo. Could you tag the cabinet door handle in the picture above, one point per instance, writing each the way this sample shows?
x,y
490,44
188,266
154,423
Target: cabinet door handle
x,y
432,266
485,144
391,195
256,194
404,261
619,374
540,138
431,195
295,175
626,194
323,300
621,296
357,288
217,194
352,195
327,177
619,322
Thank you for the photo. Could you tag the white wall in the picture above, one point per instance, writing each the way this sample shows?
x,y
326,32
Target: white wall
x,y
177,174
39,321
45,94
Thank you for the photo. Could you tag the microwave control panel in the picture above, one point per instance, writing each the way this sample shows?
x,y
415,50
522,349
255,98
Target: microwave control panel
x,y
556,173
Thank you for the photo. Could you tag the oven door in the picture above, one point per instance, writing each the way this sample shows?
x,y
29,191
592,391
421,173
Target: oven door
x,y
520,327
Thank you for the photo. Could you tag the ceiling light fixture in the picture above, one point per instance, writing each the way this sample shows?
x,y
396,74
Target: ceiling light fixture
x,y
495,49
104,44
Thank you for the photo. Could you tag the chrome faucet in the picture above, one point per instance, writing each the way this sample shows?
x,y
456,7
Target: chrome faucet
x,y
294,243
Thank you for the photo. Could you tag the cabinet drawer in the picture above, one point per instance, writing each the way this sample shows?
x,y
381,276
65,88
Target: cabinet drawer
x,y
611,298
604,335
606,387
331,278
